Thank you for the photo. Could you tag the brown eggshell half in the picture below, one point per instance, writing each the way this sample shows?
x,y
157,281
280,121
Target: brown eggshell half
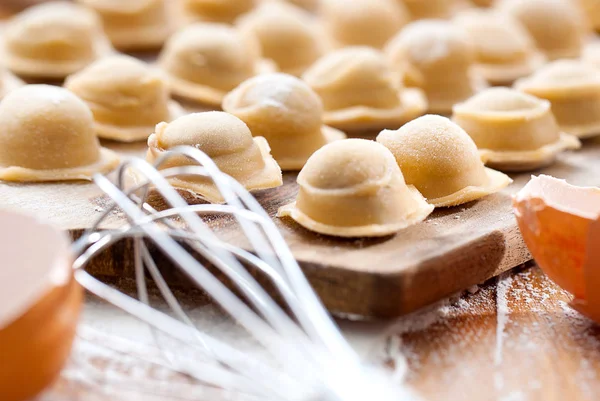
x,y
560,224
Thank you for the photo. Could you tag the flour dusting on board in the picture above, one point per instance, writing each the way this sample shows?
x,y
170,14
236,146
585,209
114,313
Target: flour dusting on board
x,y
101,365
502,315
514,322
520,320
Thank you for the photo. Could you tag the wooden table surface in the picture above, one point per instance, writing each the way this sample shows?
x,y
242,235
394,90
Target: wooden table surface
x,y
511,339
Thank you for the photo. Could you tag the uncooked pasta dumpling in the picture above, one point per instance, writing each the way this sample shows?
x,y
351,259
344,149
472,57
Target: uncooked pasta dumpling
x,y
512,130
354,188
288,35
436,56
309,5
8,82
440,159
505,51
558,26
47,134
573,89
285,111
227,141
205,61
483,3
53,40
360,93
591,54
127,97
134,24
421,9
362,22
591,9
225,11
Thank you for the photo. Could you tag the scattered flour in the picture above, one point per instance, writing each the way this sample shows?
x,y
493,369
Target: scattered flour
x,y
502,317
529,320
521,318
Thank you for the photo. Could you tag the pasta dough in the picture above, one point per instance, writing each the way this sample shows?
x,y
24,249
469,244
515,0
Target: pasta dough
x,y
437,57
288,35
441,161
573,89
362,22
513,131
483,3
8,82
359,91
505,51
127,97
224,11
227,141
591,54
205,61
422,9
47,134
558,26
285,111
591,9
134,24
353,188
309,5
53,40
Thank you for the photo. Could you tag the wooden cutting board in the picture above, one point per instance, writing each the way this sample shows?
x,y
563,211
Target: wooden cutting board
x,y
452,250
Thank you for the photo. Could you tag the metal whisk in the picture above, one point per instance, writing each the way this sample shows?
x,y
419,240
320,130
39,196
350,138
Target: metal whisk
x,y
307,358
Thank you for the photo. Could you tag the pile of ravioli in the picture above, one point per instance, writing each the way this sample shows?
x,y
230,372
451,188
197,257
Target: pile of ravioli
x,y
451,94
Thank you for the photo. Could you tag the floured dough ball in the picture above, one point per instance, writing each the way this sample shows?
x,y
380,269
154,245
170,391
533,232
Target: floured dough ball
x,y
360,93
573,89
308,5
205,61
285,111
591,54
224,11
436,56
227,141
40,301
441,161
505,51
127,97
288,35
53,40
422,9
512,130
8,82
353,188
591,9
362,22
558,26
47,134
134,25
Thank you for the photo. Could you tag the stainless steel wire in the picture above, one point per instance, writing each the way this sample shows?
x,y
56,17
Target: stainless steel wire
x,y
308,358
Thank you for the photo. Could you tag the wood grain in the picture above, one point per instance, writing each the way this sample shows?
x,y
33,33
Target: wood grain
x,y
453,249
516,341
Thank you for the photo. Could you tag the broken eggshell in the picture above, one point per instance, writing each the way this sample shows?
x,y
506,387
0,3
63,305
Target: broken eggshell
x,y
560,224
39,305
